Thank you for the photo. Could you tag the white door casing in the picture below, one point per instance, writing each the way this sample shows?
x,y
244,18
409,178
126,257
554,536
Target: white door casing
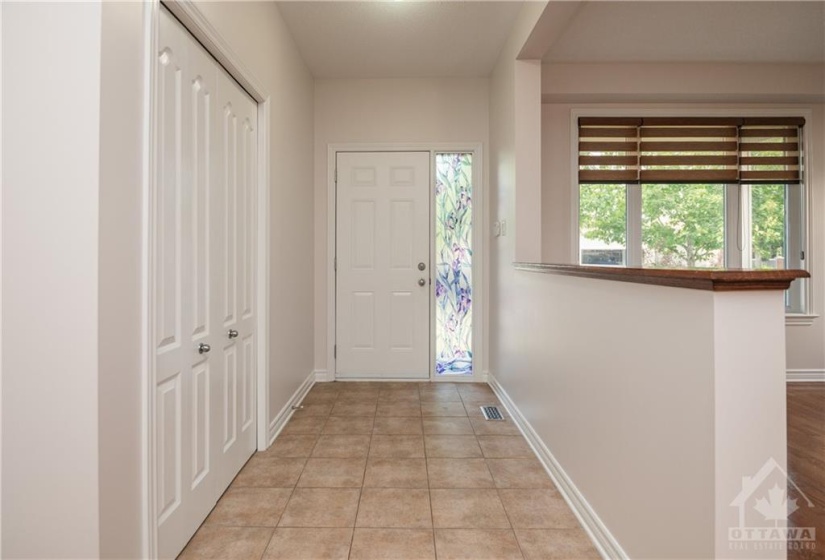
x,y
203,245
383,233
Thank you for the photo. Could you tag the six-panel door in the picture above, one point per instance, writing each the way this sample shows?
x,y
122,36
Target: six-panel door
x,y
383,240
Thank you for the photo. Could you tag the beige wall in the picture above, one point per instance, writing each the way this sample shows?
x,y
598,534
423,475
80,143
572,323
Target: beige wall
x,y
50,183
787,87
119,252
402,111
502,171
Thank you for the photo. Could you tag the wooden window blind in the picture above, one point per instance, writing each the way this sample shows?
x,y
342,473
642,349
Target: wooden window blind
x,y
758,150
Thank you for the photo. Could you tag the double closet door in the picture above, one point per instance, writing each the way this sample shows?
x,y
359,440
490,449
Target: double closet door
x,y
203,283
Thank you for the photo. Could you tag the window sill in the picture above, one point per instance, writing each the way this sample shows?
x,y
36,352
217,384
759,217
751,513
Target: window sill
x,y
799,319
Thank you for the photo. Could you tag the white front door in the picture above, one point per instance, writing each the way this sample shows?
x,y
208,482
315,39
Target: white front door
x,y
203,269
383,264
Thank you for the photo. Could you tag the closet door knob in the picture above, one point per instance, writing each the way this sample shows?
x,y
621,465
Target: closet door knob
x,y
232,333
203,348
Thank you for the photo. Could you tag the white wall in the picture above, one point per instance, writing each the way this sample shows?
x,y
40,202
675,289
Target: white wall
x,y
708,87
51,180
425,111
258,35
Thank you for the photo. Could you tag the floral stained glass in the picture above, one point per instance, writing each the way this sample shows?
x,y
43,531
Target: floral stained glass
x,y
453,264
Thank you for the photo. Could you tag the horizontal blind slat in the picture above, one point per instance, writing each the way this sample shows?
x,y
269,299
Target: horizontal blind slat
x,y
769,146
688,146
607,176
688,175
773,121
770,160
780,175
608,160
702,159
688,132
769,133
607,147
618,132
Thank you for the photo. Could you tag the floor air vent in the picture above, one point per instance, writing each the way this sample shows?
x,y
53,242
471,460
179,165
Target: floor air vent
x,y
491,413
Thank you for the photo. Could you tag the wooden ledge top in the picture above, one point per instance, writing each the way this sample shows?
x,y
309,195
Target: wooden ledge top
x,y
717,280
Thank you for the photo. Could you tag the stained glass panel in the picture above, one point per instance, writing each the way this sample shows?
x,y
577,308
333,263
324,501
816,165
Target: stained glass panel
x,y
453,264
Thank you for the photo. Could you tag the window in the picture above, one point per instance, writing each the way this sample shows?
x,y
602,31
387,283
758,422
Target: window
x,y
693,192
453,264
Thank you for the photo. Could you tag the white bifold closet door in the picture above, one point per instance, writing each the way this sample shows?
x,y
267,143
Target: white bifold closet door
x,y
203,274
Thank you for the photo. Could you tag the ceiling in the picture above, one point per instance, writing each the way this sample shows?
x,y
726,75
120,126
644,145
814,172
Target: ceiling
x,y
691,31
400,39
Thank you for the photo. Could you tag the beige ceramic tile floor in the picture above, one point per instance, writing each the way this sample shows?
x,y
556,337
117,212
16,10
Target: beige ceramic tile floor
x,y
393,471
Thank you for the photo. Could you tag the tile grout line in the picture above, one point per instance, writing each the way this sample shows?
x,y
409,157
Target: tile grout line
x,y
427,470
361,490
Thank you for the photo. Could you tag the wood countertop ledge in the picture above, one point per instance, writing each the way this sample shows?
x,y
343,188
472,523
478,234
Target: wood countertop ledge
x,y
717,280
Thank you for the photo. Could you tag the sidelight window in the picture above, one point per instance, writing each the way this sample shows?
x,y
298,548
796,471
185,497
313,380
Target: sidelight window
x,y
453,263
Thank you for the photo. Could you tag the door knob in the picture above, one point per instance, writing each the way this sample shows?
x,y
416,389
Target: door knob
x,y
422,266
421,282
232,333
203,348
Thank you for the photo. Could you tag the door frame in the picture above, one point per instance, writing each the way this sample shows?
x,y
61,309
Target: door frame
x,y
196,23
479,270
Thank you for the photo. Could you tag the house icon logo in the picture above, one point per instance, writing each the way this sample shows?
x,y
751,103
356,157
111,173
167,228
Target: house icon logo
x,y
765,503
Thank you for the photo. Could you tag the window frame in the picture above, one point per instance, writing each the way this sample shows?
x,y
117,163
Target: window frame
x,y
800,291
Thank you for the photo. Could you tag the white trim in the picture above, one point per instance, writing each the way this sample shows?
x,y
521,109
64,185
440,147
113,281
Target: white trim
x,y
604,541
196,23
479,244
263,272
799,319
283,416
805,376
148,440
379,380
323,376
1,280
575,192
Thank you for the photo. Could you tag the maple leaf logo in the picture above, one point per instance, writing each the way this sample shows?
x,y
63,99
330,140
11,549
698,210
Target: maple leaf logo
x,y
777,507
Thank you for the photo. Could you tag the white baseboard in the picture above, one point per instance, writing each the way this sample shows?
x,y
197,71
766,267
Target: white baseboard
x,y
277,424
805,376
323,376
604,541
